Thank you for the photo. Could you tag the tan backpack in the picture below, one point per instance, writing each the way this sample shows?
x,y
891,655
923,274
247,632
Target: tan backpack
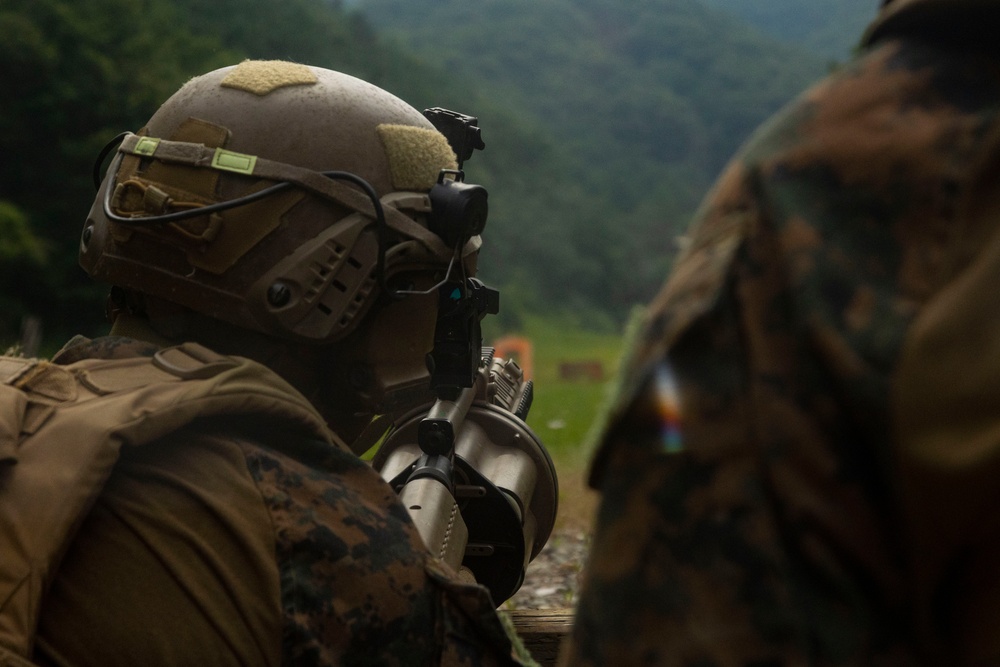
x,y
61,430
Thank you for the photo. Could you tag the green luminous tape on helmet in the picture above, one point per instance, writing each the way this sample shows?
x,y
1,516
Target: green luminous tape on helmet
x,y
230,161
146,146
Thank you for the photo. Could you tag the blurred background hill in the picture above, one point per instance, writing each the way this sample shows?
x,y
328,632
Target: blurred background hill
x,y
604,122
830,28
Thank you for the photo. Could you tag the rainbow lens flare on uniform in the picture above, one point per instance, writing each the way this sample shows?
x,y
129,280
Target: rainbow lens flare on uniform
x,y
668,407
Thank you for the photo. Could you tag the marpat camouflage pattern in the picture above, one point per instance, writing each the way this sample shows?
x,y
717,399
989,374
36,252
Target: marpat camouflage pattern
x,y
800,467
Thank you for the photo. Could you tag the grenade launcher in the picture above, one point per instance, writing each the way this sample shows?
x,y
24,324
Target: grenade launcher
x,y
477,481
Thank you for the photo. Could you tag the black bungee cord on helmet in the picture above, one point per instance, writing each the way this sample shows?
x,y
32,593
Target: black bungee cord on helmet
x,y
381,226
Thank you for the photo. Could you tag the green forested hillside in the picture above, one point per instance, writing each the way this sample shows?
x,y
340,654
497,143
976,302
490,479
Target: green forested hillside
x,y
646,101
603,127
830,28
666,80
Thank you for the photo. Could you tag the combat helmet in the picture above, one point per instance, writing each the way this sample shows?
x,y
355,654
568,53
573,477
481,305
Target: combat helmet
x,y
280,198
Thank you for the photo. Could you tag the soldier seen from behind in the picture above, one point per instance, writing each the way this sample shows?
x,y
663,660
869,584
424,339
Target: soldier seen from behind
x,y
801,465
182,492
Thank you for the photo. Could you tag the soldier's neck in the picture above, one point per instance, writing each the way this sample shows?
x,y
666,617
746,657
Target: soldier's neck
x,y
138,328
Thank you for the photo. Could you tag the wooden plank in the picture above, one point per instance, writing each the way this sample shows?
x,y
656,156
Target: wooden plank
x,y
542,631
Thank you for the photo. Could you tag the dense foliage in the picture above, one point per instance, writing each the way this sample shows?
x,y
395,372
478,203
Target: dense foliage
x,y
830,27
645,101
603,127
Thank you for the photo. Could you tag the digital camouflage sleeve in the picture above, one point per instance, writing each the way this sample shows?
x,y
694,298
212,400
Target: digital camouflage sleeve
x,y
800,468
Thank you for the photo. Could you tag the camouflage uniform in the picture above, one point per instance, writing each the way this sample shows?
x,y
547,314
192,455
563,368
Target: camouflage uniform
x,y
799,469
240,542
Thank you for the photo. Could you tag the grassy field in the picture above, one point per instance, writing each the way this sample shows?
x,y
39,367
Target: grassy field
x,y
564,411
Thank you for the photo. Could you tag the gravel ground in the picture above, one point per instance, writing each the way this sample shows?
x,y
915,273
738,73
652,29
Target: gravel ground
x,y
553,578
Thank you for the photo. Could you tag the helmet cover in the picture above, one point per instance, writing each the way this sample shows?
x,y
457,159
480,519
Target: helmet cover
x,y
301,262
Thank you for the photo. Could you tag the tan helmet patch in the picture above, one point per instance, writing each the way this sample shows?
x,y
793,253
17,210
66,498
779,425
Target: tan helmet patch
x,y
416,155
261,77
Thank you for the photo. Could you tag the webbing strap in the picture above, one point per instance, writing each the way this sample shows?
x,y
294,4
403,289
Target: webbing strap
x,y
199,155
